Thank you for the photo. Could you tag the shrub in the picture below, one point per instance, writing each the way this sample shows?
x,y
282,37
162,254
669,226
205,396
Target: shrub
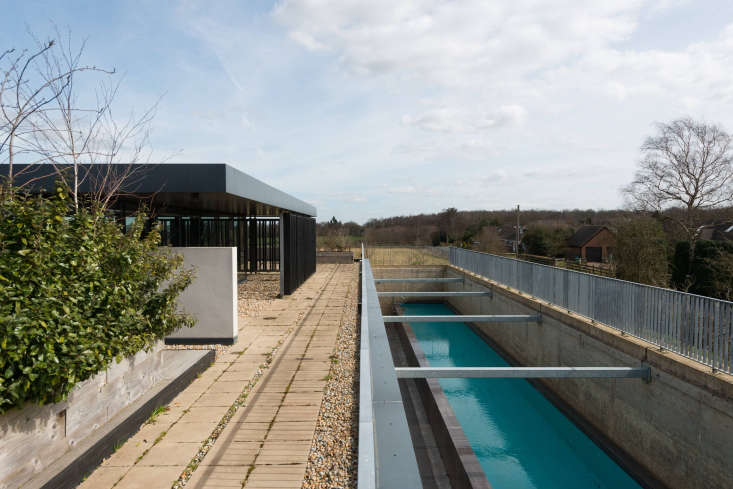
x,y
75,293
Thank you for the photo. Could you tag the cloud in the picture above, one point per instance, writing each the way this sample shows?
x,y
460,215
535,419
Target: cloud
x,y
404,189
456,120
449,42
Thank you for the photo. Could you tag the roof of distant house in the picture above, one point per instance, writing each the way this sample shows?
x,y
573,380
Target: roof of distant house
x,y
717,232
583,235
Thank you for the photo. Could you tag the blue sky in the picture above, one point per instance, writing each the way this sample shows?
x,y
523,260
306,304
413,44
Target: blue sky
x,y
372,109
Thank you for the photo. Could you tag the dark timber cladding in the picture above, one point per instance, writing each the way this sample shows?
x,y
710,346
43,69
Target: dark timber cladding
x,y
203,204
299,250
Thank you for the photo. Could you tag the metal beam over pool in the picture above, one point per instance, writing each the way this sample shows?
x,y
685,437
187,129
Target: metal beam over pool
x,y
433,294
416,280
524,372
510,318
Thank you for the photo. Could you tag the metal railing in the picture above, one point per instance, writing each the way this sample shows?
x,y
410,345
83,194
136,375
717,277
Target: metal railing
x,y
386,455
699,328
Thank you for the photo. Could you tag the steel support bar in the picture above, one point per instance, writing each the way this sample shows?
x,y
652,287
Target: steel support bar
x,y
416,280
433,294
464,319
523,372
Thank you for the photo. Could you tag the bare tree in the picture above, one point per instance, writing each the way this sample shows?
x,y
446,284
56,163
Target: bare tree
x,y
490,241
82,141
688,164
24,95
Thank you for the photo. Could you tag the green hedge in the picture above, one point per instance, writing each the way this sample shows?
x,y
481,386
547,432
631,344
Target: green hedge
x,y
76,293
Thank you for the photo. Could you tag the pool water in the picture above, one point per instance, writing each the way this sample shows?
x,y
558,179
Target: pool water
x,y
521,440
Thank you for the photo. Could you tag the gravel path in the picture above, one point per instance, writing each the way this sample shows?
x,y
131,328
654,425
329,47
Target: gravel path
x,y
257,292
332,462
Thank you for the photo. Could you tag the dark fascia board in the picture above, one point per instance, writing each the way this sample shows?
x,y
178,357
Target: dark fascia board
x,y
178,178
239,183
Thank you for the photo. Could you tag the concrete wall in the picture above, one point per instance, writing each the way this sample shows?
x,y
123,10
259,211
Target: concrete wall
x,y
387,303
211,298
36,436
678,428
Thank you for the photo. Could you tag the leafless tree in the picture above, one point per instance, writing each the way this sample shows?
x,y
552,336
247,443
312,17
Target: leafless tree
x,y
24,95
490,241
687,165
82,141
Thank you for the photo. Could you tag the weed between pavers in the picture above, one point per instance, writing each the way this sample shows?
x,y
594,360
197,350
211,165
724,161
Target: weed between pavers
x,y
157,412
208,443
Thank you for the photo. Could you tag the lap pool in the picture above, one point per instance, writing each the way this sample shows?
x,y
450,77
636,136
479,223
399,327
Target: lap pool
x,y
521,440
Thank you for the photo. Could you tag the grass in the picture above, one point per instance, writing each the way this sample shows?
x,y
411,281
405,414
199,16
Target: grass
x,y
401,256
156,412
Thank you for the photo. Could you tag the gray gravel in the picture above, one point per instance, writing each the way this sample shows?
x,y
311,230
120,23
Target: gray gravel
x,y
332,461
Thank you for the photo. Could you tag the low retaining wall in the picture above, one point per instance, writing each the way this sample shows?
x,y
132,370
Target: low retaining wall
x,y
387,303
35,437
211,298
678,428
324,257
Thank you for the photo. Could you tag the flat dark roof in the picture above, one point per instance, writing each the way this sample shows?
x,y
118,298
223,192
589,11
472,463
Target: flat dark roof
x,y
181,188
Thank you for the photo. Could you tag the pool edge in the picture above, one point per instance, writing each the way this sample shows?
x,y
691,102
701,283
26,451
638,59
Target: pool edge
x,y
458,456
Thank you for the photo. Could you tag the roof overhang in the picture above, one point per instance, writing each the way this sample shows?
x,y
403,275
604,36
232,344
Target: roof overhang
x,y
184,188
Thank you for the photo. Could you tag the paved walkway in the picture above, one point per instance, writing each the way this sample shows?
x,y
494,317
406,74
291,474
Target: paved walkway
x,y
265,442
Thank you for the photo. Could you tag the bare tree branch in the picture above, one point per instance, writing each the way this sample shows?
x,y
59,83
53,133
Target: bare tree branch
x,y
687,164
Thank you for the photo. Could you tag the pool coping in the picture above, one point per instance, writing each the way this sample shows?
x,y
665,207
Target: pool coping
x,y
461,463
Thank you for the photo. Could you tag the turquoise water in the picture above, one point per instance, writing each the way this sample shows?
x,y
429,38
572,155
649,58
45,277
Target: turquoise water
x,y
521,440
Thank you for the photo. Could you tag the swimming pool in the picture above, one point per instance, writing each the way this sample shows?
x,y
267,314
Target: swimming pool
x,y
520,439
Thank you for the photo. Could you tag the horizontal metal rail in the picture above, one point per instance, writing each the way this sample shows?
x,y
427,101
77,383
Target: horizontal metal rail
x,y
524,372
417,280
433,294
700,328
509,318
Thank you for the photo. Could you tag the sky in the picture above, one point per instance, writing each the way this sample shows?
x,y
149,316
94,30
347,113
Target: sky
x,y
377,108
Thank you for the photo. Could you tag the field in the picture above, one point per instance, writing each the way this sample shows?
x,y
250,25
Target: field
x,y
404,255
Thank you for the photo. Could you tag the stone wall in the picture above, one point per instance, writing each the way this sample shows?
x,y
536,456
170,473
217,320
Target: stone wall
x,y
36,436
387,303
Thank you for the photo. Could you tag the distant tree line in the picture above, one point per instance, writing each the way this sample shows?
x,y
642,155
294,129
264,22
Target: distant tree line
x,y
684,181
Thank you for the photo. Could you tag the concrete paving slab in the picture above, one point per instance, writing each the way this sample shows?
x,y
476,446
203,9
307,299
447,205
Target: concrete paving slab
x,y
169,453
148,477
289,393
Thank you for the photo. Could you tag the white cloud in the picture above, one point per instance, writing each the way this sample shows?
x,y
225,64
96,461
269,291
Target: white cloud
x,y
453,120
505,95
404,189
450,41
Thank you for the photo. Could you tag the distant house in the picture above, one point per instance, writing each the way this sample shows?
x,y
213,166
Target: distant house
x,y
717,232
592,244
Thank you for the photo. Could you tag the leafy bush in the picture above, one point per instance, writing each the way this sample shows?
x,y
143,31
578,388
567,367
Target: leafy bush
x,y
76,293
